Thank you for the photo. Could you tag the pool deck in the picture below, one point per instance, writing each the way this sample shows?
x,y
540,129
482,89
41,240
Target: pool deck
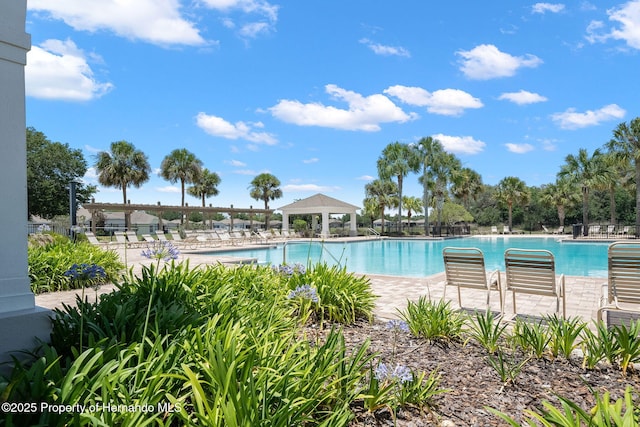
x,y
582,293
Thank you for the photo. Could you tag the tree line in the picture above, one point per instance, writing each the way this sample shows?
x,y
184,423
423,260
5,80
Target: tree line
x,y
610,173
605,182
51,166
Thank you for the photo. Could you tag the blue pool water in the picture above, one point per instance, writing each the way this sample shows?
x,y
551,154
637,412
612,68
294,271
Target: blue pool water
x,y
424,257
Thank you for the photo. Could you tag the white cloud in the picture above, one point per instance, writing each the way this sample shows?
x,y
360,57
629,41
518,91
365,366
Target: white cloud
x,y
364,113
59,70
312,160
447,102
92,149
168,189
249,172
154,21
486,61
547,7
548,145
628,16
522,97
267,15
384,50
460,144
366,178
309,188
91,174
519,148
217,126
570,119
235,163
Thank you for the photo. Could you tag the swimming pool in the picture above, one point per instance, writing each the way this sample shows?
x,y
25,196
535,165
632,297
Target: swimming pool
x,y
398,257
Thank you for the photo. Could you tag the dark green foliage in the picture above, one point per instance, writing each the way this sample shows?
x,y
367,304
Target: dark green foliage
x,y
50,168
49,262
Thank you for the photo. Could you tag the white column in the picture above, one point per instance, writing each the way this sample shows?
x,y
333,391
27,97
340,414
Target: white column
x,y
325,224
20,319
285,221
353,224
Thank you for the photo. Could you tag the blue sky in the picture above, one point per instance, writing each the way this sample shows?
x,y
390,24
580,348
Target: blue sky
x,y
312,91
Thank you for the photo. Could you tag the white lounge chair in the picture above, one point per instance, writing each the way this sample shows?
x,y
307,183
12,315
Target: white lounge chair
x,y
621,293
465,268
532,271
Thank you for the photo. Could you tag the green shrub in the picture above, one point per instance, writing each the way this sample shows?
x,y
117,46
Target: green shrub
x,y
49,262
343,297
434,321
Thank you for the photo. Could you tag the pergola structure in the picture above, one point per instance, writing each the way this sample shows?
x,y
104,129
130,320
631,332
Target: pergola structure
x,y
324,205
159,209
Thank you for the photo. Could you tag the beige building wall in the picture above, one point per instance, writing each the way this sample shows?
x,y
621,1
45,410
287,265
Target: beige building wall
x,y
20,320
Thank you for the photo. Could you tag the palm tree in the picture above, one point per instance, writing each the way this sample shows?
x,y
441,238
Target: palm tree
x,y
618,174
206,186
181,165
397,160
412,205
121,167
561,195
587,172
512,190
626,143
427,150
265,187
466,183
381,194
444,167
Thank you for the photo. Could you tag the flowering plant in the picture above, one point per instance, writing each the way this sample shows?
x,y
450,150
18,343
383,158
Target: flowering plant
x,y
87,274
306,298
158,251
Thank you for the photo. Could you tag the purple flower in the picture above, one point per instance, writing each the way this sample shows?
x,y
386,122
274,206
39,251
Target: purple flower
x,y
304,292
90,274
161,251
400,373
398,325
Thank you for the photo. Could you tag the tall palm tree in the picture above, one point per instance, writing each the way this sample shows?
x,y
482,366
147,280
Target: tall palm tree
x,y
121,167
444,167
626,142
586,171
382,194
265,187
427,150
466,183
412,205
397,160
181,165
618,174
512,190
561,195
205,186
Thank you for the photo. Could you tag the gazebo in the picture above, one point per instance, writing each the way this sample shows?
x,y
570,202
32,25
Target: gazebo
x,y
321,204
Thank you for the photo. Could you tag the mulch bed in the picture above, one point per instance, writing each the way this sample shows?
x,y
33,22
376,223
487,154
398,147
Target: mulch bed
x,y
473,384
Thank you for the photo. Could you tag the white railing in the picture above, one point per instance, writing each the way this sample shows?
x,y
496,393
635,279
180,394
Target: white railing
x,y
371,231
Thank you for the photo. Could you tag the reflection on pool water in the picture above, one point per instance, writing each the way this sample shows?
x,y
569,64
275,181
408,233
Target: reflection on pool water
x,y
398,257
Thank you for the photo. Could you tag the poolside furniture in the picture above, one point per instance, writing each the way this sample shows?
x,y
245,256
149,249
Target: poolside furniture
x,y
505,230
611,229
546,230
161,236
621,293
494,229
624,231
594,230
148,239
559,230
122,238
532,271
94,240
465,268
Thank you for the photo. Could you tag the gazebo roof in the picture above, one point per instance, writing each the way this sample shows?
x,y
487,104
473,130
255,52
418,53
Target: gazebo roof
x,y
319,203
